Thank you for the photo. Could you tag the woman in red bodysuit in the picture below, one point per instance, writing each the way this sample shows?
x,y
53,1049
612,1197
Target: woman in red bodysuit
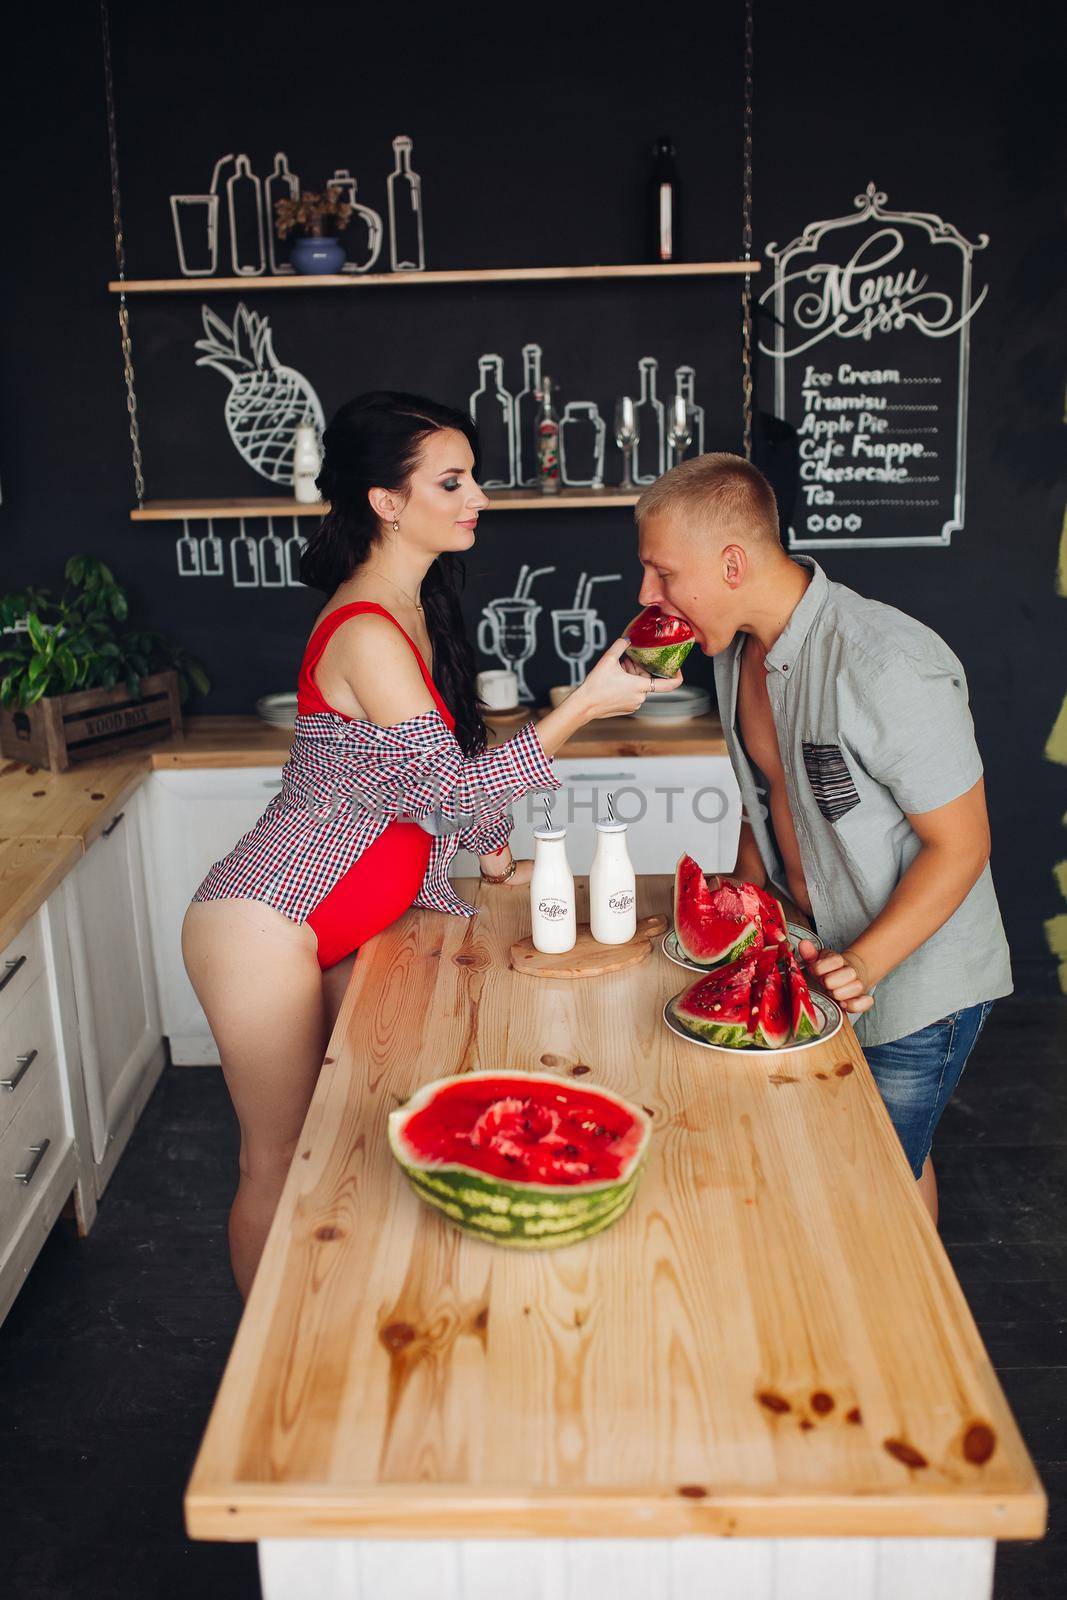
x,y
389,774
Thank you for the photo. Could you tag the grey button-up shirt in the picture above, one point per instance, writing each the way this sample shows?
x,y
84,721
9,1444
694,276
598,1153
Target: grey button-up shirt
x,y
870,708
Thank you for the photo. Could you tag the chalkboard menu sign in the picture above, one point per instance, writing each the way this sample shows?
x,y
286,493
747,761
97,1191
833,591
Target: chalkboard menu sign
x,y
871,349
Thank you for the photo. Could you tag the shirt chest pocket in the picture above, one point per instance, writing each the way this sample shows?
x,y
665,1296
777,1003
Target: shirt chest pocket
x,y
831,781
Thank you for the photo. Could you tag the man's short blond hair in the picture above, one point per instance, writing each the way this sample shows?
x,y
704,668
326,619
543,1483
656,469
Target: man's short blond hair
x,y
717,488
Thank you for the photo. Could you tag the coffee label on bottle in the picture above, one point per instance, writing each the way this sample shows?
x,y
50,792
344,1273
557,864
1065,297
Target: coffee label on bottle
x,y
552,908
621,902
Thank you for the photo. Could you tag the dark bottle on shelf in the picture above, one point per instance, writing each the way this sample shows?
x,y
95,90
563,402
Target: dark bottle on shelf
x,y
663,210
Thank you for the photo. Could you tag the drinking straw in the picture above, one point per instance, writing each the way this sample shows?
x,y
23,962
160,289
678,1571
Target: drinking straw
x,y
521,581
579,601
548,813
611,808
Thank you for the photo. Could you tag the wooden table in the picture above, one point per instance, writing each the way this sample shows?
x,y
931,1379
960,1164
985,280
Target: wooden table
x,y
769,1346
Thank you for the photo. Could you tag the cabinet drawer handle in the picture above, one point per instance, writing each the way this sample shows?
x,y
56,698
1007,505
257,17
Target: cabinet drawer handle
x,y
12,968
37,1151
601,777
112,825
24,1064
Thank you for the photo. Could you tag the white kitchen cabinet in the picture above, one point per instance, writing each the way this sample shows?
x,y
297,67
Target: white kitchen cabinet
x,y
191,819
122,1052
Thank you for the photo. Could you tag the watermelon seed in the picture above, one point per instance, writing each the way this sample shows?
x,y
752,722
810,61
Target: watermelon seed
x,y
716,1008
571,1150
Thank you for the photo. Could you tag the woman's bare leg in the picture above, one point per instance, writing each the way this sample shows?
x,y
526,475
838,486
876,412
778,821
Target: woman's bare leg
x,y
334,983
256,974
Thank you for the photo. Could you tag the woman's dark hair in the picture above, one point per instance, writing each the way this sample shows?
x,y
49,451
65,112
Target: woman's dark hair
x,y
375,441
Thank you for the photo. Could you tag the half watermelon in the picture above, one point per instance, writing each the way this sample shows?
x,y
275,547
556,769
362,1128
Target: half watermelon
x,y
659,642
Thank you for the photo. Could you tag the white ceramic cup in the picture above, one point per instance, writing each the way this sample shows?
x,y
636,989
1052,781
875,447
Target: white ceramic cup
x,y
498,690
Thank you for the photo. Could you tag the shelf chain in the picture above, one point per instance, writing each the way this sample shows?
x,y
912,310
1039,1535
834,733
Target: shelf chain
x,y
746,243
120,261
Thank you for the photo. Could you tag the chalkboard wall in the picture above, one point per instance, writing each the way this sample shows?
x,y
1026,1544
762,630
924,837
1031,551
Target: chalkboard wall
x,y
536,153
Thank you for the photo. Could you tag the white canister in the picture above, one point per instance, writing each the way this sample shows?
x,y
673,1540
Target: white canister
x,y
307,463
612,886
552,894
498,690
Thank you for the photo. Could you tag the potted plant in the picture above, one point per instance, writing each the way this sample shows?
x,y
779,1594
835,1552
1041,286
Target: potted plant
x,y
315,220
73,685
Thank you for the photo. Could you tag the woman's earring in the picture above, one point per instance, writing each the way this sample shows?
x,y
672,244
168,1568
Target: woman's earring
x,y
396,526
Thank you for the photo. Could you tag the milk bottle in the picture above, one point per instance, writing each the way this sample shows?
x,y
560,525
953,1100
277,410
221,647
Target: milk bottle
x,y
612,886
552,893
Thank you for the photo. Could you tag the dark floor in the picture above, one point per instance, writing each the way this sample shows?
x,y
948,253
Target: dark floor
x,y
112,1354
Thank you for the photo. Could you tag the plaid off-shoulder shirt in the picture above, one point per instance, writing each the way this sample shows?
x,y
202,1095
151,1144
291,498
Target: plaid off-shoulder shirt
x,y
345,781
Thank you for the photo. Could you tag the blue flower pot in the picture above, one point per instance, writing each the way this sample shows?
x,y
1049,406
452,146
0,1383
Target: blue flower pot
x,y
317,255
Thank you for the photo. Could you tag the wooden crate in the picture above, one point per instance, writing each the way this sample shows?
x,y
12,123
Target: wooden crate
x,y
63,729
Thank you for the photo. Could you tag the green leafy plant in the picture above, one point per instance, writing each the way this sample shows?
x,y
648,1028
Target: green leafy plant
x,y
52,647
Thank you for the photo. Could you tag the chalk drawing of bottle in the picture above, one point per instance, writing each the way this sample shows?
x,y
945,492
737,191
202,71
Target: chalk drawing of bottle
x,y
406,246
685,385
581,437
244,559
188,554
492,415
525,425
343,181
281,185
244,201
271,559
212,564
295,546
648,456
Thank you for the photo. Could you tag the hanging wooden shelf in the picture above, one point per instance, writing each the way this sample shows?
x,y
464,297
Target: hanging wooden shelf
x,y
367,280
266,506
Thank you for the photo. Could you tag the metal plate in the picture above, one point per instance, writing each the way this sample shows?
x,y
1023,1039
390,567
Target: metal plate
x,y
827,1009
671,949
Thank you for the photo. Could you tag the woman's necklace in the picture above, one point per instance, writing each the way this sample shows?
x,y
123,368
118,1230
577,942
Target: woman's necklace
x,y
410,600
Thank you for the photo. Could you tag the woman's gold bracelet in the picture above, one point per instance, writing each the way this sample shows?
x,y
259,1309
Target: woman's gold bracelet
x,y
509,872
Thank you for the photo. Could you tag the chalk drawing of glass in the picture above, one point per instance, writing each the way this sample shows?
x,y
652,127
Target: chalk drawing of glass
x,y
492,415
281,185
244,559
508,628
626,437
212,564
407,252
244,202
343,181
188,554
579,633
679,427
271,559
196,228
685,384
648,455
527,403
581,439
295,546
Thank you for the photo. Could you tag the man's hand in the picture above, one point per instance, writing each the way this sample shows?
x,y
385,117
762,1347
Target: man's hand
x,y
843,975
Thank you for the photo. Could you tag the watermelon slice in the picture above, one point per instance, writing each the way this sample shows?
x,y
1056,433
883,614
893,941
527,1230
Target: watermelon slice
x,y
711,926
772,917
659,642
805,1020
770,1001
718,1008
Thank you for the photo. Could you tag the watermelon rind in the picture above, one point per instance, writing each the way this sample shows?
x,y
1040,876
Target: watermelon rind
x,y
519,1216
661,660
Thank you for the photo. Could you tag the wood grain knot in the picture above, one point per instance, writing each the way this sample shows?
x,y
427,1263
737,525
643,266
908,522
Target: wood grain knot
x,y
822,1403
806,1424
905,1453
39,794
825,1076
328,1061
397,1336
327,1233
773,1402
481,1321
549,1060
94,796
844,1069
473,959
778,1078
648,1111
979,1442
580,1069
854,1416
693,1491
305,1155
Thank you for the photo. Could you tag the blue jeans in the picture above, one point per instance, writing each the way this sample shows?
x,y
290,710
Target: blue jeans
x,y
917,1075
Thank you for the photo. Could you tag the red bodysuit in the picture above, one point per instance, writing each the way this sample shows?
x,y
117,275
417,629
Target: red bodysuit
x,y
383,883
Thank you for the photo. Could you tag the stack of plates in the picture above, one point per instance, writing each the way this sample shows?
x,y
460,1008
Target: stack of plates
x,y
675,705
278,709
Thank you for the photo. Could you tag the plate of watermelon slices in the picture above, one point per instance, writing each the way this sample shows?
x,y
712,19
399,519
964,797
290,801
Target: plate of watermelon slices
x,y
753,994
673,950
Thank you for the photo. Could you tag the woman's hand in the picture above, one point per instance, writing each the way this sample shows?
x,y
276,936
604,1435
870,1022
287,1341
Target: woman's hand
x,y
617,687
843,975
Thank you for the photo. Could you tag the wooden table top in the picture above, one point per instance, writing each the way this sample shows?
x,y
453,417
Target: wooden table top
x,y
770,1342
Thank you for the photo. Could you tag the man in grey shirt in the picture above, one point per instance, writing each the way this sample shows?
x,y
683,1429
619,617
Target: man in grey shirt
x,y
849,733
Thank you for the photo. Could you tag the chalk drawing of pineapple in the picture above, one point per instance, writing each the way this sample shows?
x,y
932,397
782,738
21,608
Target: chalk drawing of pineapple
x,y
266,400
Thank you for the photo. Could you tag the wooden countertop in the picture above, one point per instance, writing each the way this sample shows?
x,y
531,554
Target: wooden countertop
x,y
770,1342
73,806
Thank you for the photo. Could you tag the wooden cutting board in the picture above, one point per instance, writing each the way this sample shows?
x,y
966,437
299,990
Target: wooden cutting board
x,y
588,959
